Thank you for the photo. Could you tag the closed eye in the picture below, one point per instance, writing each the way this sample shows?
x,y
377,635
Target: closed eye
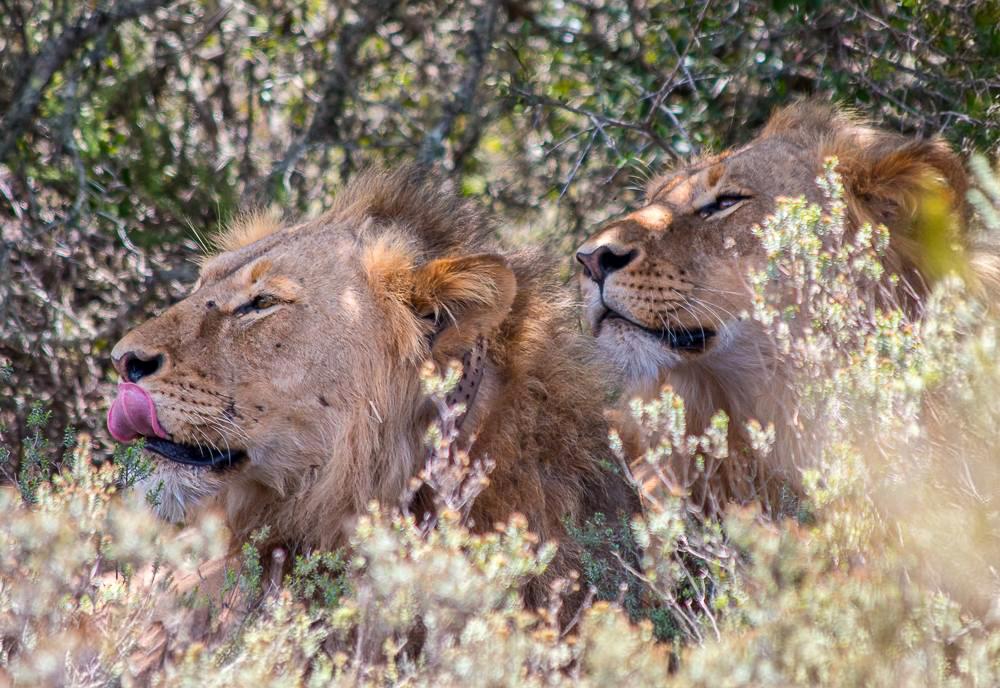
x,y
722,202
261,302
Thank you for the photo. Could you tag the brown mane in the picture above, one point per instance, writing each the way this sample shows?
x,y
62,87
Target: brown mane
x,y
671,265
323,387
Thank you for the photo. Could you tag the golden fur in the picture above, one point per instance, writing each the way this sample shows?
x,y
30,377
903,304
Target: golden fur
x,y
322,388
680,263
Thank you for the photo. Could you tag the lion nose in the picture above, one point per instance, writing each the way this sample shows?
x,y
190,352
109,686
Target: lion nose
x,y
133,365
602,261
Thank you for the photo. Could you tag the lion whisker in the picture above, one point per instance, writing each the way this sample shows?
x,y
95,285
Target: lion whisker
x,y
220,425
725,292
714,310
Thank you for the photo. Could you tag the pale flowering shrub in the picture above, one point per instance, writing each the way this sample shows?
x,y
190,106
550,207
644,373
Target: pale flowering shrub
x,y
81,573
887,575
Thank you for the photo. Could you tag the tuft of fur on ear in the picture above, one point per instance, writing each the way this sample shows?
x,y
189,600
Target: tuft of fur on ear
x,y
916,188
890,176
464,297
388,262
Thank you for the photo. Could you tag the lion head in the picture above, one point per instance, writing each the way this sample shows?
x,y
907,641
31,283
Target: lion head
x,y
666,287
287,386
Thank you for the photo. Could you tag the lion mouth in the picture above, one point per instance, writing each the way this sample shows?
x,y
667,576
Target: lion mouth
x,y
132,415
692,340
202,457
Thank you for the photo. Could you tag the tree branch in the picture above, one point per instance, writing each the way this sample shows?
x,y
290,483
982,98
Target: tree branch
x,y
54,54
325,124
594,117
480,47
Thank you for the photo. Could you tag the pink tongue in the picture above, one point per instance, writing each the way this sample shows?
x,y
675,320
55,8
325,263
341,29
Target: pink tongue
x,y
132,414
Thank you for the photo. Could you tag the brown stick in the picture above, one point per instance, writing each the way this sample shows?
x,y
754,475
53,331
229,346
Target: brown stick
x,y
325,124
480,47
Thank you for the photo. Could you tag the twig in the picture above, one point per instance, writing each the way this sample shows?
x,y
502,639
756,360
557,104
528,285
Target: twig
x,y
54,54
588,601
579,161
325,125
667,86
480,46
605,120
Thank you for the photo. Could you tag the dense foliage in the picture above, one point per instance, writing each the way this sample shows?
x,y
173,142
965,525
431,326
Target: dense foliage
x,y
889,579
131,129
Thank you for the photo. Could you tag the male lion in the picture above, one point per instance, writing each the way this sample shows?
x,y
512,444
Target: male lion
x,y
286,388
666,286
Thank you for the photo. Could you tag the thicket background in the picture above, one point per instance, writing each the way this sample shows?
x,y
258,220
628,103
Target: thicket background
x,y
131,129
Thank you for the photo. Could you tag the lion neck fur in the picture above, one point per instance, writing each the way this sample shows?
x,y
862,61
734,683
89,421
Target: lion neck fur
x,y
740,377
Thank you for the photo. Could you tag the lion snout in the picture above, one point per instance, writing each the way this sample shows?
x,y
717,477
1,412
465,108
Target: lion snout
x,y
600,261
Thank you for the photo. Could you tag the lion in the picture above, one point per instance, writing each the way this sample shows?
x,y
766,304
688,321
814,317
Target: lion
x,y
285,389
666,292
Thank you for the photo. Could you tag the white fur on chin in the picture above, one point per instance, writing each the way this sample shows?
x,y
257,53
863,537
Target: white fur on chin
x,y
647,364
184,488
642,359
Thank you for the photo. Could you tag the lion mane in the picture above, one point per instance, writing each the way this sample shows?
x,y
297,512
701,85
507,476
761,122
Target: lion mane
x,y
665,285
297,357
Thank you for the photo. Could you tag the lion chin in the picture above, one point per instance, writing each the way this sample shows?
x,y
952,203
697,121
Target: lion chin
x,y
177,492
638,355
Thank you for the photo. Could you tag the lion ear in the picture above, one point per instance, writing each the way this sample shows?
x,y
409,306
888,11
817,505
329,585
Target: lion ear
x,y
464,298
916,189
892,176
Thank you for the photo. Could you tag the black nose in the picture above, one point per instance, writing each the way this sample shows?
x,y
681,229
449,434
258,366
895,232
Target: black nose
x,y
134,366
602,261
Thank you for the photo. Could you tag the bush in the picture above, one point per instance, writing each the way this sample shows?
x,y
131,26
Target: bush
x,y
888,581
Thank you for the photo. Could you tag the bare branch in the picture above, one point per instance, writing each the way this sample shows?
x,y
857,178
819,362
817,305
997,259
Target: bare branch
x,y
480,46
668,83
54,54
325,124
595,117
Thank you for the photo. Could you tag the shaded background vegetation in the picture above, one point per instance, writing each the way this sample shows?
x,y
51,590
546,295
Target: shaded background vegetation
x,y
131,129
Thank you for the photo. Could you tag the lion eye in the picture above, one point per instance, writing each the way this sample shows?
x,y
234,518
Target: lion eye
x,y
720,204
261,302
